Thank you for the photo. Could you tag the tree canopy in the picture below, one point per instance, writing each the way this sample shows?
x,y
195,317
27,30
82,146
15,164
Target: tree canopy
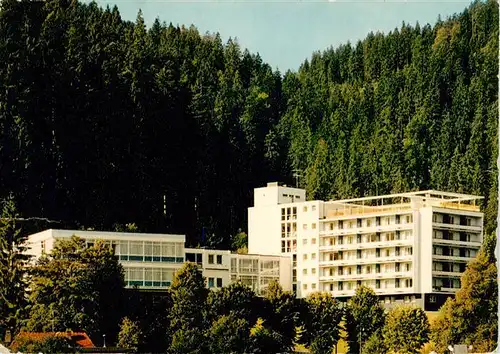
x,y
172,129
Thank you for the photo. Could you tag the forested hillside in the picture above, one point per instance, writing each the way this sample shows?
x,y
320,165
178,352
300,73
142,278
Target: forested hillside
x,y
105,121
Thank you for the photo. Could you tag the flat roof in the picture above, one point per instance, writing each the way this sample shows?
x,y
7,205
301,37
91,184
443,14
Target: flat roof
x,y
427,194
97,234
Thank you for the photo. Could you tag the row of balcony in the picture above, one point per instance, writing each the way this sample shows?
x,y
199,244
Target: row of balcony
x,y
355,261
365,276
366,229
366,245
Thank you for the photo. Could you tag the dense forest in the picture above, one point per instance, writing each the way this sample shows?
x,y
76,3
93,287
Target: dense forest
x,y
106,121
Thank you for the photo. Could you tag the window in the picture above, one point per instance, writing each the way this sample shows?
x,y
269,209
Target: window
x,y
358,238
313,241
432,299
304,286
341,240
409,283
210,282
387,253
409,219
377,268
304,257
340,286
219,259
397,283
358,254
377,252
377,284
313,270
283,214
304,227
407,267
313,286
313,256
304,271
283,247
210,259
398,219
219,282
313,208
358,269
368,222
331,226
314,226
305,209
377,221
304,241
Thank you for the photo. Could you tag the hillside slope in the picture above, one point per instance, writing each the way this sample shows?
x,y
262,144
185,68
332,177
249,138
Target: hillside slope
x,y
106,121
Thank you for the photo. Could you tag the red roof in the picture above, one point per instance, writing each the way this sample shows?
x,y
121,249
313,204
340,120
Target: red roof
x,y
81,339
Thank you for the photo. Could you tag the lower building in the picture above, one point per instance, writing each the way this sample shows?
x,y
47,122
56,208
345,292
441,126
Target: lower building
x,y
221,268
151,260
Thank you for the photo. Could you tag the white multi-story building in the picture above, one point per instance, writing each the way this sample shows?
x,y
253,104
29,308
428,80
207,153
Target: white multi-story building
x,y
410,247
221,268
151,260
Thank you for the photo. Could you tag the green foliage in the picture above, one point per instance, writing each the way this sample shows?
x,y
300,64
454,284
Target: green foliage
x,y
240,241
130,334
228,334
236,299
150,311
130,227
46,344
406,330
364,316
323,320
265,340
411,109
188,312
12,269
78,288
471,317
375,344
284,313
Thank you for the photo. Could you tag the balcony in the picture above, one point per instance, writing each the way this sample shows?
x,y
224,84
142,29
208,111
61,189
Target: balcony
x,y
365,276
451,258
440,225
446,273
371,260
364,230
366,245
363,211
471,244
381,291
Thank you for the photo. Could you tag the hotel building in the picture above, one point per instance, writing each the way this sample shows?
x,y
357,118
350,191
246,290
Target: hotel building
x,y
408,247
151,260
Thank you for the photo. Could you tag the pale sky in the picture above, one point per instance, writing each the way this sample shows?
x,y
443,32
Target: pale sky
x,y
285,33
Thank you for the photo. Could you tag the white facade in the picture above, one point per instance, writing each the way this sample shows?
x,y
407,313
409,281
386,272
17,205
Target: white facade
x,y
151,260
221,268
409,247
